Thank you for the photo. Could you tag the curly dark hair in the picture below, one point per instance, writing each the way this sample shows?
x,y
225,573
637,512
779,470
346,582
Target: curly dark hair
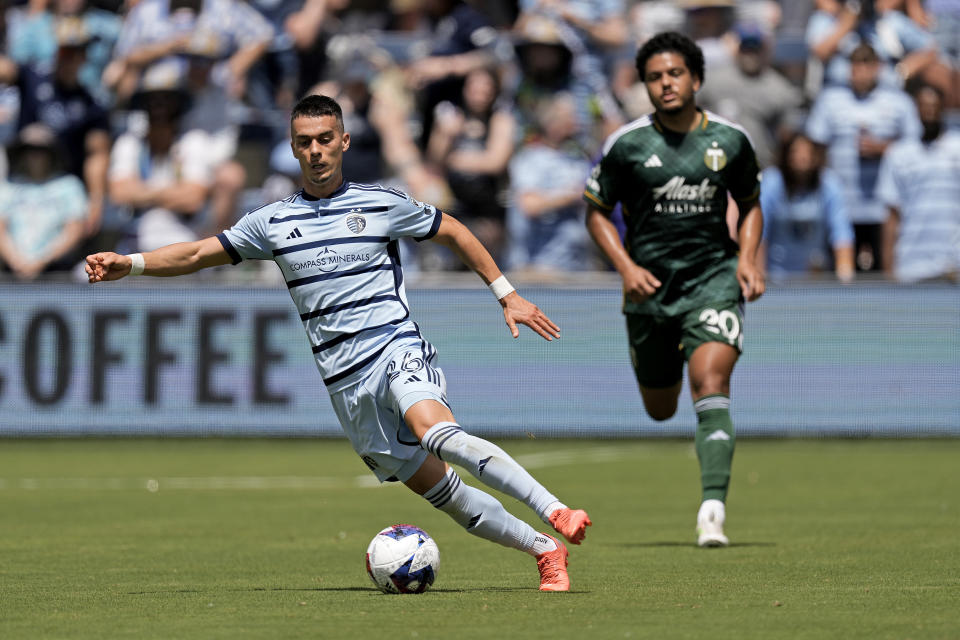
x,y
676,43
315,106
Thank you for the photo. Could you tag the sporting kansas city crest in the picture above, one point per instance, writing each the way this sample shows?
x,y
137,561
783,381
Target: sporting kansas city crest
x,y
356,222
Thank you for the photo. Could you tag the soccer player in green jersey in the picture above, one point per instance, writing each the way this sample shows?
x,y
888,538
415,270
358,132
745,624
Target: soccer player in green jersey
x,y
684,278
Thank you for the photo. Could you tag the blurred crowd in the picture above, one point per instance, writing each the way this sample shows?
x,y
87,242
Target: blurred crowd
x,y
128,125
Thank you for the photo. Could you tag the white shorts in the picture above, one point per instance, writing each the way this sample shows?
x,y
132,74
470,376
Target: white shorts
x,y
371,412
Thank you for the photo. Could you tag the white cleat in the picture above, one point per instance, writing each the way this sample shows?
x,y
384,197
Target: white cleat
x,y
710,524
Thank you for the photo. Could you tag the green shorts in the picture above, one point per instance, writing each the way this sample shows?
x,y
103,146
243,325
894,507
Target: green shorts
x,y
659,345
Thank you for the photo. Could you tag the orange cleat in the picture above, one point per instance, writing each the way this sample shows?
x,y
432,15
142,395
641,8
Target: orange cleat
x,y
553,568
571,524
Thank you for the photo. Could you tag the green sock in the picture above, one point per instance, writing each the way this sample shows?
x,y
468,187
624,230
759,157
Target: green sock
x,y
715,441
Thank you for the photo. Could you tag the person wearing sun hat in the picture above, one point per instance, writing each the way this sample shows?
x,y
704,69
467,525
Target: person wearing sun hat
x,y
57,98
41,209
162,174
33,38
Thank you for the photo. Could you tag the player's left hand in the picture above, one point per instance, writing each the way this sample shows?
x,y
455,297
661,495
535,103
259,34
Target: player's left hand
x,y
752,280
517,309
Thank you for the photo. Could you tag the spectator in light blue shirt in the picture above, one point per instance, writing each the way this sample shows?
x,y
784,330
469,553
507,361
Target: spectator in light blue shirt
x,y
163,30
545,222
857,124
837,28
805,224
945,15
33,40
41,209
920,184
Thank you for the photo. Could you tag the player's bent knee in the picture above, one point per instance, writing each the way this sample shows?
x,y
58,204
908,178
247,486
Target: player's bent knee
x,y
708,385
660,413
661,404
424,414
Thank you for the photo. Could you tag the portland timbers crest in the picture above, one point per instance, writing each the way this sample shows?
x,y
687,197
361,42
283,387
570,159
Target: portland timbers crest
x,y
356,222
715,158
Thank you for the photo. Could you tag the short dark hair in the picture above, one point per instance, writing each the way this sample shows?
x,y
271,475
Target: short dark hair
x,y
316,106
863,52
673,42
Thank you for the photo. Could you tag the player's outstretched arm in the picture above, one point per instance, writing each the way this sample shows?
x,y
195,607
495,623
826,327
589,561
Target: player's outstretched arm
x,y
516,309
172,260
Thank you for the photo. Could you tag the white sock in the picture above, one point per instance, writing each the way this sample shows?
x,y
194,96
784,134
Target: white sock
x,y
490,464
553,507
481,514
542,544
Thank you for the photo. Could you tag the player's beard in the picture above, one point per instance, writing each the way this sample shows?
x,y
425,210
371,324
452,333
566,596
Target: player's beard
x,y
671,110
678,106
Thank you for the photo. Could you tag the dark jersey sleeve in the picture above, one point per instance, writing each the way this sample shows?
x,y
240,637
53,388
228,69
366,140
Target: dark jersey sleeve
x,y
743,173
601,189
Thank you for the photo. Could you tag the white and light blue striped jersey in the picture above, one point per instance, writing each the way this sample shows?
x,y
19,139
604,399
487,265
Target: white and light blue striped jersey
x,y
922,181
837,119
340,258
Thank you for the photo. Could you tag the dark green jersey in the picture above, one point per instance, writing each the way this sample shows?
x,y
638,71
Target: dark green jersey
x,y
672,188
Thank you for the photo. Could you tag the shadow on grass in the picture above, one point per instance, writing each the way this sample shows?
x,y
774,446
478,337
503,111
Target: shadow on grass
x,y
691,545
357,589
147,593
432,590
370,590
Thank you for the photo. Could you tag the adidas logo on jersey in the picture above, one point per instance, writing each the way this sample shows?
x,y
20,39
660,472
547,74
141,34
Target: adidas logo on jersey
x,y
653,161
295,234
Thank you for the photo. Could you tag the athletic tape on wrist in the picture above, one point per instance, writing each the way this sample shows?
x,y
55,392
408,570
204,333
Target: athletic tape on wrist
x,y
501,287
137,264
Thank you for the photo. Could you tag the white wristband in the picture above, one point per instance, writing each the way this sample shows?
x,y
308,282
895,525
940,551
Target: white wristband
x,y
501,287
137,264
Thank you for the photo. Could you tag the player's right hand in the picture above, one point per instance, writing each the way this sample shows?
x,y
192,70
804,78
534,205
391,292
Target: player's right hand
x,y
107,266
639,284
517,309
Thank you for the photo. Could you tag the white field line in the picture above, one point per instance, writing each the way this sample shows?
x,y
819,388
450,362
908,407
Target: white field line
x,y
590,455
209,483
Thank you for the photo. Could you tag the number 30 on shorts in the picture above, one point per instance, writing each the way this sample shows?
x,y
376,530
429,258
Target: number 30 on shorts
x,y
723,323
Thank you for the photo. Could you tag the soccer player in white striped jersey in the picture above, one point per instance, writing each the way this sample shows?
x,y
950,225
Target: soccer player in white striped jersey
x,y
336,244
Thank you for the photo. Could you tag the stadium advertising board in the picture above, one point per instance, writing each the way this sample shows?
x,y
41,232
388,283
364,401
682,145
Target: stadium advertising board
x,y
205,360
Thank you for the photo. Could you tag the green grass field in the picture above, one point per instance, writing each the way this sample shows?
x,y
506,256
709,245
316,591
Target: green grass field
x,y
265,539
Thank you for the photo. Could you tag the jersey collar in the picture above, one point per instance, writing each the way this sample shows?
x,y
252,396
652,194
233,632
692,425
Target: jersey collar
x,y
337,192
702,126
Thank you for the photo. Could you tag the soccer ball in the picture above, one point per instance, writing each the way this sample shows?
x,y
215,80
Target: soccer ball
x,y
402,559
